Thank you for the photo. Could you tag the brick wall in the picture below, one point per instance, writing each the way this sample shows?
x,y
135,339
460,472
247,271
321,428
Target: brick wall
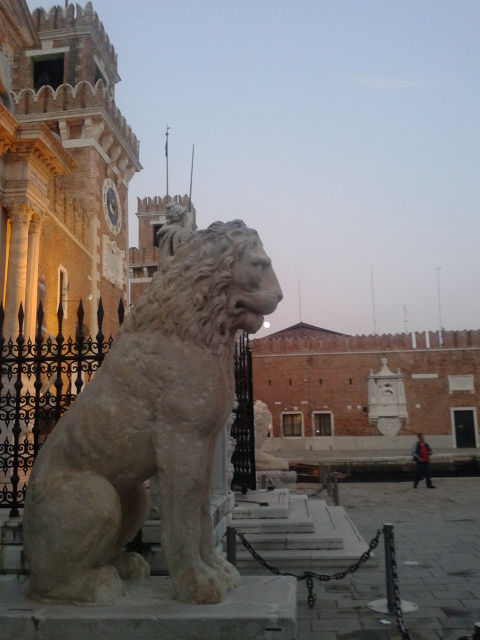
x,y
328,373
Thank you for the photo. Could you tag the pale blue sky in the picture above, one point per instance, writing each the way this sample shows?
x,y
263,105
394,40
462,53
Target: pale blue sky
x,y
346,132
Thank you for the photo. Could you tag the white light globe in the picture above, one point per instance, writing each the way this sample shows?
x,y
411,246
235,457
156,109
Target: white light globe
x,y
266,324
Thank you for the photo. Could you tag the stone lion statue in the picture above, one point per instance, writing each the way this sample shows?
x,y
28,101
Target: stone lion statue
x,y
263,424
156,406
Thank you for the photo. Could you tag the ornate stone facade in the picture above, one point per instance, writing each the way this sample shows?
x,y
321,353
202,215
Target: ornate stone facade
x,y
67,156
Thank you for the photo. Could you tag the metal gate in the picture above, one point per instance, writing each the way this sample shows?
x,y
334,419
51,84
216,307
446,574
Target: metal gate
x,y
38,382
243,458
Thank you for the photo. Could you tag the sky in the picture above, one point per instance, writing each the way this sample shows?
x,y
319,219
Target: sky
x,y
347,132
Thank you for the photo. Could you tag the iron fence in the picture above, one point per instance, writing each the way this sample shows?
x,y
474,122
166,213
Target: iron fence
x,y
39,380
243,458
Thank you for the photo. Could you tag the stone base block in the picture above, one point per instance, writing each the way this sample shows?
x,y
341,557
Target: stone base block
x,y
276,478
263,607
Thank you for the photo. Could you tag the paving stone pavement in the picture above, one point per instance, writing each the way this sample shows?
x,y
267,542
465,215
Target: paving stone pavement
x,y
437,548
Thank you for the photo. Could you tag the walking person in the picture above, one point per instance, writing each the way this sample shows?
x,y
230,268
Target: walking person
x,y
421,452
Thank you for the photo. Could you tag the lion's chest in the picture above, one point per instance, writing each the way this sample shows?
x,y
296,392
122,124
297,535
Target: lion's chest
x,y
176,383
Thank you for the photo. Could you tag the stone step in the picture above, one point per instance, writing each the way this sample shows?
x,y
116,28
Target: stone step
x,y
298,519
262,504
331,525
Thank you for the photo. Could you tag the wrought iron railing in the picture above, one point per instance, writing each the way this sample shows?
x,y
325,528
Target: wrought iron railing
x,y
39,380
243,458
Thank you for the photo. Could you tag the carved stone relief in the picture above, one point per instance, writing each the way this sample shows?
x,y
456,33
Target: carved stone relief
x,y
387,405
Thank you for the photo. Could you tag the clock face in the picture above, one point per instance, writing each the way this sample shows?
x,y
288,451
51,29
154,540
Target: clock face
x,y
111,206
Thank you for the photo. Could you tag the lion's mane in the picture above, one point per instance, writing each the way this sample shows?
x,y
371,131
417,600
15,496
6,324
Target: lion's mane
x,y
188,296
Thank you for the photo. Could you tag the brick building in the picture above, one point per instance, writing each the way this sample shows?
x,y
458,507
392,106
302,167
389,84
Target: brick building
x,y
67,156
151,214
327,390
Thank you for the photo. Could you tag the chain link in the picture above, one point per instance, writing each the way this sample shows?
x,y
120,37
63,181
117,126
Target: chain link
x,y
396,589
310,575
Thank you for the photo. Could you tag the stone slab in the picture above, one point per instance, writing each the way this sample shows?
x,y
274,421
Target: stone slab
x,y
263,607
262,504
330,523
297,520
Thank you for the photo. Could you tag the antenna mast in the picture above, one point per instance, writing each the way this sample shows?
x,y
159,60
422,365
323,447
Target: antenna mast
x,y
166,153
440,337
299,300
405,319
373,302
191,180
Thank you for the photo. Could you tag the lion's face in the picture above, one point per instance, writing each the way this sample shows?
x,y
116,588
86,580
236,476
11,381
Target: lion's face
x,y
255,291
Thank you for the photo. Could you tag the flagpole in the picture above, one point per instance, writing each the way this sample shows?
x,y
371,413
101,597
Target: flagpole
x,y
166,153
191,180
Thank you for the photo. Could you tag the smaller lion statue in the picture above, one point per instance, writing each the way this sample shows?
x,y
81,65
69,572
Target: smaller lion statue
x,y
156,406
263,424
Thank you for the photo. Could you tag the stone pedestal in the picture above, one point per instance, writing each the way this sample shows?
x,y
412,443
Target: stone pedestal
x,y
277,478
261,608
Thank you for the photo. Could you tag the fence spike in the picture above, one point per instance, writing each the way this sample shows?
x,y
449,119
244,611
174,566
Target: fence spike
x,y
121,312
21,318
100,314
60,315
40,315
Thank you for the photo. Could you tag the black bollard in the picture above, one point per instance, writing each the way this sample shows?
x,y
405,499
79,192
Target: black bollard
x,y
336,497
232,545
387,537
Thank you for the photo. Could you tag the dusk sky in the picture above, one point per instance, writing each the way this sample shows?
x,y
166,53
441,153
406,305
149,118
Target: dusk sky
x,y
347,132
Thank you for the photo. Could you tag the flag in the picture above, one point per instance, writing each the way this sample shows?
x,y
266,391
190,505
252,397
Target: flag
x,y
166,143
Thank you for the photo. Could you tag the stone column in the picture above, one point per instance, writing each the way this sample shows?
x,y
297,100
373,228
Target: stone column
x,y
20,215
31,290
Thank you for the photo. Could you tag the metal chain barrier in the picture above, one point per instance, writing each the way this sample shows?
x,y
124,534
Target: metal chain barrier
x,y
309,576
396,589
393,590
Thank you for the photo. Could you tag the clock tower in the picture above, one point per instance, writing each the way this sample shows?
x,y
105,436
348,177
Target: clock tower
x,y
67,83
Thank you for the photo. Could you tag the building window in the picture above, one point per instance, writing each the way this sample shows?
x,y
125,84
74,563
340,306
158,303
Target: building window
x,y
156,229
100,76
62,289
322,424
48,70
292,425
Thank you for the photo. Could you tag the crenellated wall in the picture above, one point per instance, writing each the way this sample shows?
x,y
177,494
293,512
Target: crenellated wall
x,y
159,204
306,372
334,343
67,99
146,255
74,17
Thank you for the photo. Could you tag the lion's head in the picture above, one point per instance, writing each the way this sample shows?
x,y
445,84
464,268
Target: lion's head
x,y
218,281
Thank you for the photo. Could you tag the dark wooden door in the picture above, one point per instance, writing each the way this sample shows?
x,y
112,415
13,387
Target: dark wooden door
x,y
464,428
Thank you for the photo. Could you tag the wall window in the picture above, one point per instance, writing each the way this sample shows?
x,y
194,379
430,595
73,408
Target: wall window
x,y
156,229
48,70
322,424
62,289
292,425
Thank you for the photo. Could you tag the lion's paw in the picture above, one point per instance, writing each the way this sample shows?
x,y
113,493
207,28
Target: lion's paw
x,y
131,566
226,571
200,586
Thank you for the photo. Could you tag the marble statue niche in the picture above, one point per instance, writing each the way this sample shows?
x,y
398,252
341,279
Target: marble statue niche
x,y
156,405
387,405
275,470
